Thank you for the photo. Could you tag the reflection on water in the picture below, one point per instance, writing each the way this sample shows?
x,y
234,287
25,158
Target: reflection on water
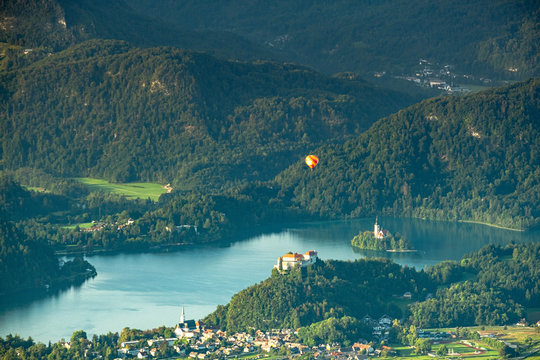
x,y
147,290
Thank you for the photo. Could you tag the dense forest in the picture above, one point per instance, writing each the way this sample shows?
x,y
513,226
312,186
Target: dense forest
x,y
470,169
493,286
110,110
496,39
469,158
320,291
53,25
506,282
484,37
28,262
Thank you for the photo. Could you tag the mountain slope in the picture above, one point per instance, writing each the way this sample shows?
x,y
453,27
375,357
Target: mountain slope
x,y
485,37
325,289
57,24
501,283
469,158
107,109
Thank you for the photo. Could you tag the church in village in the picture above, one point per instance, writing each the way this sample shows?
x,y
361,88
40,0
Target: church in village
x,y
186,328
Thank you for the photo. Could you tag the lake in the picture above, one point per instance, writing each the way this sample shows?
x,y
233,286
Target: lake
x,y
145,291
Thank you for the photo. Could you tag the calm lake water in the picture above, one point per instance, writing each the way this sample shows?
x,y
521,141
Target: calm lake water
x,y
148,290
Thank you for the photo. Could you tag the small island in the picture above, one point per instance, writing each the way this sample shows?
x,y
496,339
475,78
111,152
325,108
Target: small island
x,y
380,239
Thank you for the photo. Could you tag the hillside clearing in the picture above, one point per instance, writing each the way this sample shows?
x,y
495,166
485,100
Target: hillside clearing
x,y
136,190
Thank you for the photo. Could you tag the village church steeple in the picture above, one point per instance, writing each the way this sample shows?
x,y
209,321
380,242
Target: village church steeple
x,y
182,316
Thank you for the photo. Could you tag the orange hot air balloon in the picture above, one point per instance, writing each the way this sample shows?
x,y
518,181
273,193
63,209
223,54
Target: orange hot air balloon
x,y
311,161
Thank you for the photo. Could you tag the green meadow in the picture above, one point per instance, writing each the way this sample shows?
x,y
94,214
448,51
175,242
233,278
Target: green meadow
x,y
86,225
457,351
137,190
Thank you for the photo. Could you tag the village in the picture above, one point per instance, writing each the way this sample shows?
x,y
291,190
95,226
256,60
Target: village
x,y
192,339
195,341
441,77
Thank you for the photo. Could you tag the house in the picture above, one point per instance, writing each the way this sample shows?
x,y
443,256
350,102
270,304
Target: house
x,y
366,348
157,342
385,321
368,320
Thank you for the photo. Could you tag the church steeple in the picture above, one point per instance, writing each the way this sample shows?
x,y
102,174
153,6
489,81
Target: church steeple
x,y
182,316
377,231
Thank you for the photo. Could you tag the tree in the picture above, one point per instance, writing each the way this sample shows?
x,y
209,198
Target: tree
x,y
505,352
423,346
442,351
78,335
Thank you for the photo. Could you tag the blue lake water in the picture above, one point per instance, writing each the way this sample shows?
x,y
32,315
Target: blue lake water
x,y
148,290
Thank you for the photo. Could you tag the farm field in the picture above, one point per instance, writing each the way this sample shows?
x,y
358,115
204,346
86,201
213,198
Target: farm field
x,y
138,190
456,350
459,349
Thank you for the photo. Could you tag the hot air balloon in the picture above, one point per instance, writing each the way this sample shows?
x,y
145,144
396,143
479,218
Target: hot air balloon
x,y
311,161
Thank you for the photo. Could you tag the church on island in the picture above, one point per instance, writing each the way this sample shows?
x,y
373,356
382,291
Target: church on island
x,y
290,260
379,233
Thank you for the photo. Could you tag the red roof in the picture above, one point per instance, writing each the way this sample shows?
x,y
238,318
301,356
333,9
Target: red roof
x,y
294,256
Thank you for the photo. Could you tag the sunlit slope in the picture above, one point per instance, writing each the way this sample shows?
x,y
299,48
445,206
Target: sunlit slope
x,y
109,110
459,158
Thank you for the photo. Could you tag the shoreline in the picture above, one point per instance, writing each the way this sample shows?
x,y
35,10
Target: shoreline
x,y
401,251
490,225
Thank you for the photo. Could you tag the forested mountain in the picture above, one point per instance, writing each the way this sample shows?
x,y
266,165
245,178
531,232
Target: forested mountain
x,y
492,295
483,37
469,158
320,291
507,281
29,262
54,25
106,109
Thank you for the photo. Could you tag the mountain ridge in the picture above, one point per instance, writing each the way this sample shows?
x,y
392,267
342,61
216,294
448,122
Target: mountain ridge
x,y
469,158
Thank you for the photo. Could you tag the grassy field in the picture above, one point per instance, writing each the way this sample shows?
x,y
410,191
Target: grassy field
x,y
87,225
130,190
460,351
512,334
